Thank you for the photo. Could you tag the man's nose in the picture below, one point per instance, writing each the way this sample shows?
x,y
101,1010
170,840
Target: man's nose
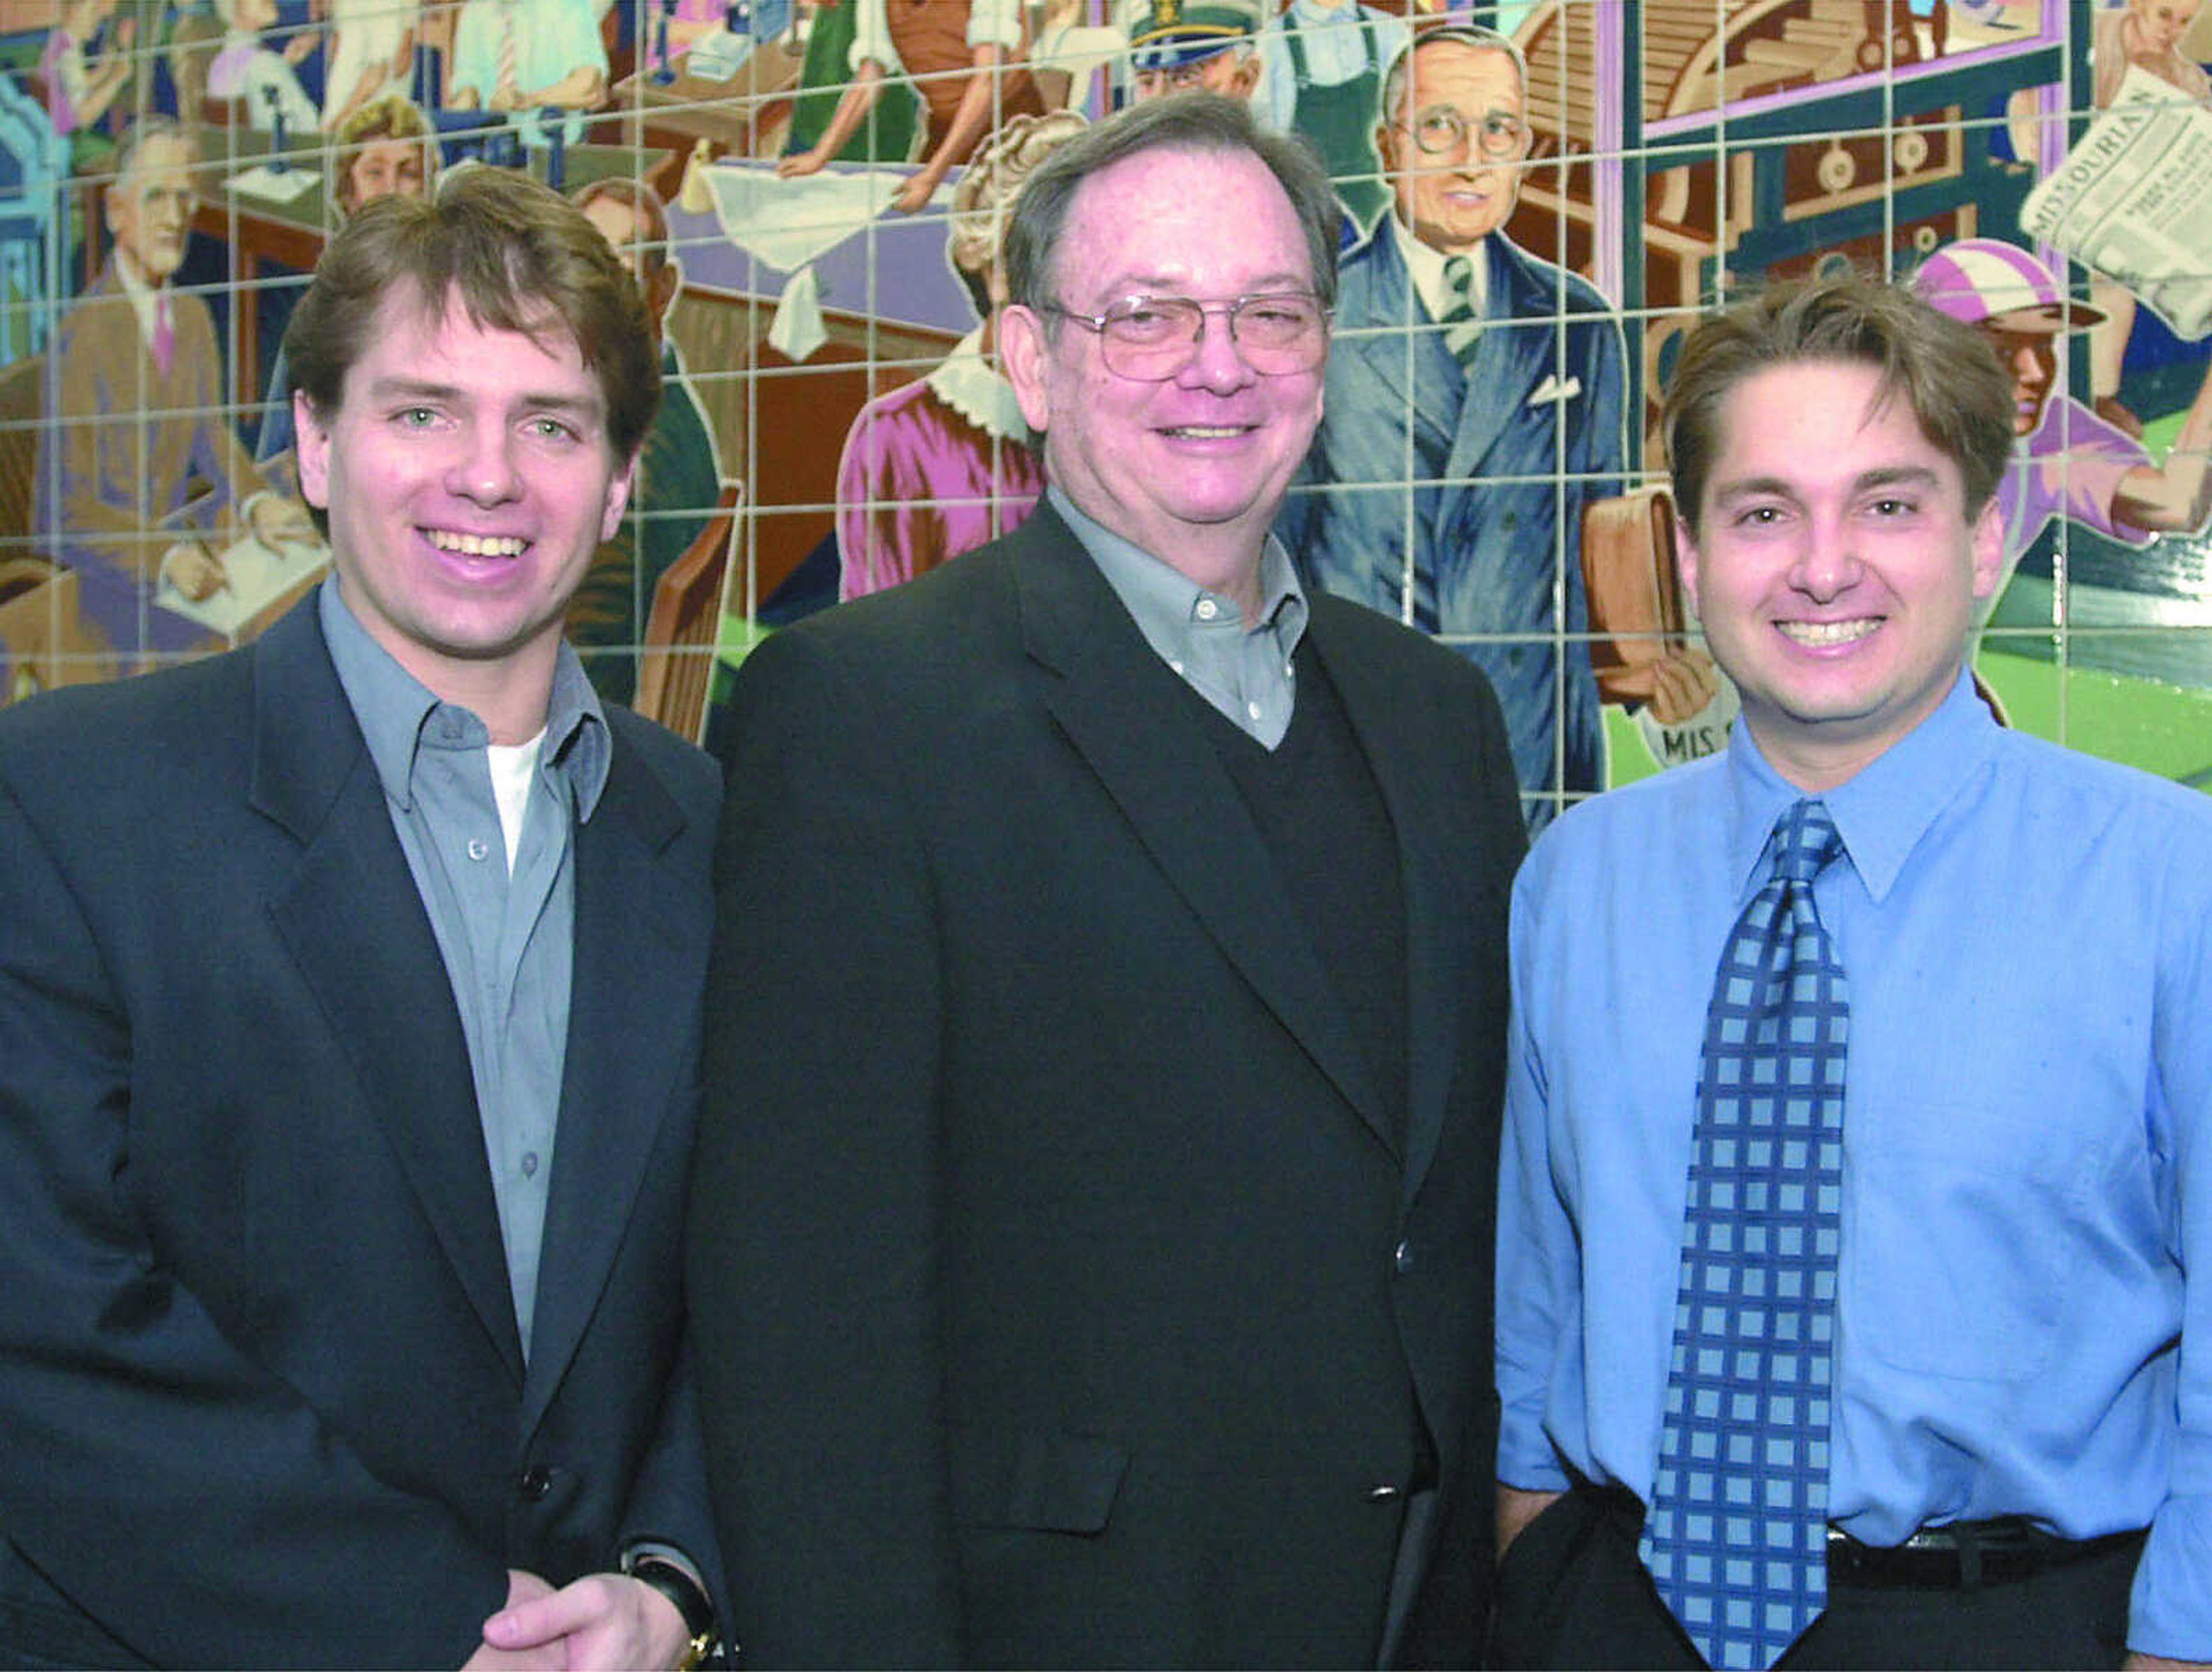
x,y
1215,362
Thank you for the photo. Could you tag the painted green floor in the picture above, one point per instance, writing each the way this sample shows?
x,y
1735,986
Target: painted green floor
x,y
2166,729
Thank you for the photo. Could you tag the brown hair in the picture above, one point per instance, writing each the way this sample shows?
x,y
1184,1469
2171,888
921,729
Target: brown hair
x,y
1198,122
1944,370
516,257
394,116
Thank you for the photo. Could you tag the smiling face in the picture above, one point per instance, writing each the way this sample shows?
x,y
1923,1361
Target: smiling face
x,y
1192,469
1454,201
469,478
1837,570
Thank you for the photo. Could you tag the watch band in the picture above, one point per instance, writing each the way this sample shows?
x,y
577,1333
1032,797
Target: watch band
x,y
690,1602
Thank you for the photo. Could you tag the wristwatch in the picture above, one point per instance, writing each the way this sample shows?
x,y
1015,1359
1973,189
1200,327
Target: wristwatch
x,y
691,1601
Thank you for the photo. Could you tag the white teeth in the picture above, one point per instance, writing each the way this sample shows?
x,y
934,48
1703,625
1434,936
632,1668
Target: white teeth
x,y
1829,632
476,545
1207,432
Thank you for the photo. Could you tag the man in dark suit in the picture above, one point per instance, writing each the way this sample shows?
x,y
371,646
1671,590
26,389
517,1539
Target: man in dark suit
x,y
1091,1239
349,999
1495,381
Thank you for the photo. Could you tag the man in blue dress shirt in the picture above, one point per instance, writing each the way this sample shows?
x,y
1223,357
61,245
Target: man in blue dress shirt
x,y
2018,1447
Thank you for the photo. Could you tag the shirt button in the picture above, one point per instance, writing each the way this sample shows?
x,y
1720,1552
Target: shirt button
x,y
1253,710
537,1480
1207,608
530,1164
1402,1257
1177,667
1385,1493
478,847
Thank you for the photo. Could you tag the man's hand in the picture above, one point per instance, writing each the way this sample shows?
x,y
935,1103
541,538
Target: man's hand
x,y
1682,685
1516,1509
605,1621
277,521
2136,1662
521,1588
801,164
193,570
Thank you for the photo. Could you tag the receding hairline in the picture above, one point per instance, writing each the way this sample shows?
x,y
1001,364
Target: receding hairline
x,y
1436,41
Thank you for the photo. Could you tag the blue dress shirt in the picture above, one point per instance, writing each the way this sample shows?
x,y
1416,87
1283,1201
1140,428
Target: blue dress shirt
x,y
507,936
2027,1133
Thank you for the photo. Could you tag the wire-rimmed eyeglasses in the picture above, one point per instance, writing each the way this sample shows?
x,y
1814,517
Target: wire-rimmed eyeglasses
x,y
1151,339
1442,131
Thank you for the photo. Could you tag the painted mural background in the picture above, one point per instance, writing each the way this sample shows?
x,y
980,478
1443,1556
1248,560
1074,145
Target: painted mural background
x,y
809,192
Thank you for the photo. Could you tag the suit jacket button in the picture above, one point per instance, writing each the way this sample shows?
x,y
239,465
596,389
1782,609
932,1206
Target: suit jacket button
x,y
537,1480
1383,1494
1403,1257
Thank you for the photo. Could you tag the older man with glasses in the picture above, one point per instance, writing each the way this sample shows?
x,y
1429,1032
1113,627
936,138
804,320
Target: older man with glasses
x,y
1475,406
1091,1234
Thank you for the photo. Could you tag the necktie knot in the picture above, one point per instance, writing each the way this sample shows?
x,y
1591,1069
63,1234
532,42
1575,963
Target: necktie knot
x,y
1459,279
1804,842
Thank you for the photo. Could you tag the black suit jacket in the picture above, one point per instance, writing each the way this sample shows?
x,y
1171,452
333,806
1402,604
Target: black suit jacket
x,y
1060,1294
260,1379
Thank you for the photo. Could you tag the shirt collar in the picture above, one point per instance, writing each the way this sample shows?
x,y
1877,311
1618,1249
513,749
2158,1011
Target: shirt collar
x,y
1880,813
1425,267
145,299
392,707
1166,602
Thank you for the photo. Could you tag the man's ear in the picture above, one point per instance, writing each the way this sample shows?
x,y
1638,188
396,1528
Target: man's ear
x,y
618,492
311,452
1024,354
1988,545
1685,556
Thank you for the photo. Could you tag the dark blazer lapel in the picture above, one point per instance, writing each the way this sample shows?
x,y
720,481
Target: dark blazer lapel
x,y
635,964
1433,875
355,926
1114,704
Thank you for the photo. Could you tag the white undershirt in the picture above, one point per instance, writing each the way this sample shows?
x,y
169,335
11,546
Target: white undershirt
x,y
512,766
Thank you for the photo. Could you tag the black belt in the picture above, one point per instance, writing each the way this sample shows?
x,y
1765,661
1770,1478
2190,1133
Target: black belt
x,y
1963,1555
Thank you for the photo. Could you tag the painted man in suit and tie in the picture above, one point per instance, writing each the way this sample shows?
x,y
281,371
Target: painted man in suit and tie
x,y
348,1008
140,475
1090,1239
1509,396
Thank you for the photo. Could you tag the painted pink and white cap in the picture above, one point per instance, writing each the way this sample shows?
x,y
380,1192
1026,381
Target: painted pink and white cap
x,y
1979,279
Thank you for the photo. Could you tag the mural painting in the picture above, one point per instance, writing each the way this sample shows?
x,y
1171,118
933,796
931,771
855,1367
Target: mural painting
x,y
1539,197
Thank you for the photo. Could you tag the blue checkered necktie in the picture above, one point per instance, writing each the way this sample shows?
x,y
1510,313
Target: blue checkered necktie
x,y
1737,1535
1462,324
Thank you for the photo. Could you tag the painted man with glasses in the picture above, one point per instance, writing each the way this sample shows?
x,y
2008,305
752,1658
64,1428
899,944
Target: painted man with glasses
x,y
1511,375
1091,1229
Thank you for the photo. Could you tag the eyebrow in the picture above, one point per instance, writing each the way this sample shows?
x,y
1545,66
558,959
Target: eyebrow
x,y
1266,284
1882,475
407,388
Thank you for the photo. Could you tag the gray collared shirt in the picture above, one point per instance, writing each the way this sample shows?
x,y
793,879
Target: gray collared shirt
x,y
1244,673
508,938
